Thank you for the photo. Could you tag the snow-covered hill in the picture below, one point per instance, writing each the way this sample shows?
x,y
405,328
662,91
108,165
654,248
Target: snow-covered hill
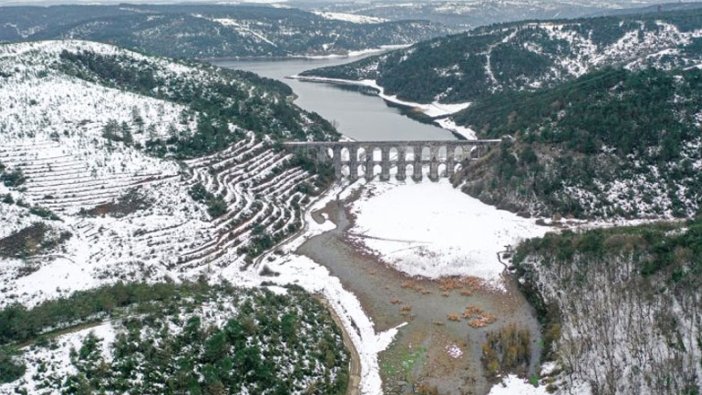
x,y
212,31
613,143
180,338
472,13
602,112
528,55
92,207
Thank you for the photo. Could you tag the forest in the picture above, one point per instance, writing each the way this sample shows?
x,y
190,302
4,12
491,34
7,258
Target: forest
x,y
197,31
608,295
606,126
178,338
527,56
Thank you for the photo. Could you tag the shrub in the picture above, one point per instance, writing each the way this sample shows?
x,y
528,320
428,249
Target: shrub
x,y
14,178
216,205
44,213
10,368
507,350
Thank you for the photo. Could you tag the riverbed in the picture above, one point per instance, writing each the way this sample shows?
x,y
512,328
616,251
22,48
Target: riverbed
x,y
432,351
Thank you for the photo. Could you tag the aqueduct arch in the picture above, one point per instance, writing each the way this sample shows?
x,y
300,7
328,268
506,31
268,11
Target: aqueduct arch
x,y
368,155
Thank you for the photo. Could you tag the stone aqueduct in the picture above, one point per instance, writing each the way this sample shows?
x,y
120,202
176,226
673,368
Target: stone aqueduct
x,y
368,155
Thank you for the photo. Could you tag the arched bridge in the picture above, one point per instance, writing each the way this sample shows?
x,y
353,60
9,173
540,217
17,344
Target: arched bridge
x,y
368,158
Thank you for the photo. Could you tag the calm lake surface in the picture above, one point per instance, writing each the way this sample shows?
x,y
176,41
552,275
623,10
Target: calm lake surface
x,y
358,116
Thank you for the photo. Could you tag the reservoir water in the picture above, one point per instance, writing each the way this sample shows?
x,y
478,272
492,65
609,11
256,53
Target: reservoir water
x,y
355,115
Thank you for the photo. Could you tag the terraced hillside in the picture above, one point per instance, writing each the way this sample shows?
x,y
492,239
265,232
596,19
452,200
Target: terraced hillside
x,y
92,191
528,56
209,31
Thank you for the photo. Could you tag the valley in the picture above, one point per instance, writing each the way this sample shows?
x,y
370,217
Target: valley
x,y
186,215
404,296
161,234
396,283
558,89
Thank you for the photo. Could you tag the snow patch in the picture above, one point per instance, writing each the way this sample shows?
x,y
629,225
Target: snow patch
x,y
512,385
433,230
450,124
353,18
434,109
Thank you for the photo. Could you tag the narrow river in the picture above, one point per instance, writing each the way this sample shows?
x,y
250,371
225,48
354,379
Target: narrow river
x,y
431,354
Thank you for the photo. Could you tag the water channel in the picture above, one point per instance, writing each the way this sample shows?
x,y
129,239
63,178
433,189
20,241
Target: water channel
x,y
420,360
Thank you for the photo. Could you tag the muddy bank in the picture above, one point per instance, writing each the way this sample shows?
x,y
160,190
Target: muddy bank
x,y
438,350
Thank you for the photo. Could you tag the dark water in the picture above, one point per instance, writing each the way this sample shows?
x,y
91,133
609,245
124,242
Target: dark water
x,y
358,116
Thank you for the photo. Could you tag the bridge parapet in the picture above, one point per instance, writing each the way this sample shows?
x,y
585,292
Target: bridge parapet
x,y
366,155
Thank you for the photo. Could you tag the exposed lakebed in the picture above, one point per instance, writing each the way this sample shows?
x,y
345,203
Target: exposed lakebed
x,y
431,351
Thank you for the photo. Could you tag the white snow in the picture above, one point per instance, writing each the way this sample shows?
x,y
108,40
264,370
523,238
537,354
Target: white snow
x,y
302,271
454,351
449,124
512,385
433,230
51,128
353,18
56,360
434,109
358,53
243,29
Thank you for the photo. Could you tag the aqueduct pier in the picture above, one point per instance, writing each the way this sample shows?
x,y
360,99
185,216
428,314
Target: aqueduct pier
x,y
366,156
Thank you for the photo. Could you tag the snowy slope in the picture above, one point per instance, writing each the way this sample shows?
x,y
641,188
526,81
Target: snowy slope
x,y
624,307
349,17
472,13
147,339
527,55
129,214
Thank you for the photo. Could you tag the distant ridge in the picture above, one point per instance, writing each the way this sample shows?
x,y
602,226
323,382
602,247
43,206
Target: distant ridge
x,y
664,7
205,31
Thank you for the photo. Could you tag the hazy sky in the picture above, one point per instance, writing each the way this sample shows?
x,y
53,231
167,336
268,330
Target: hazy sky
x,y
622,3
52,2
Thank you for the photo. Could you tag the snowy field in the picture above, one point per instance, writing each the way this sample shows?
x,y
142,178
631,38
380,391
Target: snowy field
x,y
431,229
